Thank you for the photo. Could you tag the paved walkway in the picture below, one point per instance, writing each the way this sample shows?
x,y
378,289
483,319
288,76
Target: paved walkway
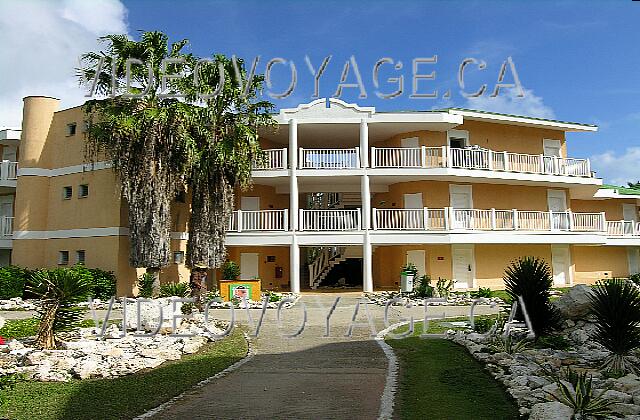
x,y
310,376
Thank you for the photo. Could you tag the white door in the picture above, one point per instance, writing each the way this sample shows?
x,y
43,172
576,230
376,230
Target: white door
x,y
561,263
633,253
463,265
6,206
412,219
413,201
249,265
461,202
417,257
250,203
557,202
410,142
551,153
630,212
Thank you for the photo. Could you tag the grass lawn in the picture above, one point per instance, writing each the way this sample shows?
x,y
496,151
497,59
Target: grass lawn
x,y
124,397
440,380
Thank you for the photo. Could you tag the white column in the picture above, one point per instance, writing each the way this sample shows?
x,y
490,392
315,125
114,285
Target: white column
x,y
365,194
293,179
364,143
294,269
367,265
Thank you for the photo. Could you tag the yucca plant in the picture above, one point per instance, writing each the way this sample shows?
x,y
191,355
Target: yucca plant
x,y
175,289
615,304
145,285
508,344
580,396
530,278
59,290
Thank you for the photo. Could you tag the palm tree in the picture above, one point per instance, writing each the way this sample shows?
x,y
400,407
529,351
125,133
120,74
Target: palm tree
x,y
60,290
147,138
226,143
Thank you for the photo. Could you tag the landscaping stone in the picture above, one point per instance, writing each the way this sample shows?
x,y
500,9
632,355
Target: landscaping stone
x,y
550,411
575,303
618,396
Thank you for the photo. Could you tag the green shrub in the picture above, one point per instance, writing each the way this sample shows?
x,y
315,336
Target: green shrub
x,y
508,344
145,285
104,284
554,341
423,287
530,278
60,290
444,287
635,278
483,324
483,292
12,281
175,289
615,304
230,271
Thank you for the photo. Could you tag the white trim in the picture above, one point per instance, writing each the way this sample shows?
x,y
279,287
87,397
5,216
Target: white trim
x,y
517,120
71,233
67,170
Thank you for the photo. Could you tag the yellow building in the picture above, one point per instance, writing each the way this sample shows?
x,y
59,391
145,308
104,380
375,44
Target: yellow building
x,y
348,196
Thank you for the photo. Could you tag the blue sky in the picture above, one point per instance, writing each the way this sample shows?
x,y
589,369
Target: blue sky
x,y
578,61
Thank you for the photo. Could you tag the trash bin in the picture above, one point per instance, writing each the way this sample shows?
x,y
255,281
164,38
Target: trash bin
x,y
406,282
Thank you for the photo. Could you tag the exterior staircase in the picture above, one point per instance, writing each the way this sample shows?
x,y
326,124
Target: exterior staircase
x,y
327,258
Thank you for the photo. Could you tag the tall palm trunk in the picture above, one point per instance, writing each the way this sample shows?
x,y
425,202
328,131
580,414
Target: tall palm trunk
x,y
46,338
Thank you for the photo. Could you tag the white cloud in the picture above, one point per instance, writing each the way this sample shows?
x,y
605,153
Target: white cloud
x,y
41,42
618,169
508,102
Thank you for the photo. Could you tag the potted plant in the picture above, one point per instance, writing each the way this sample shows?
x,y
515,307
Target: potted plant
x,y
230,271
407,275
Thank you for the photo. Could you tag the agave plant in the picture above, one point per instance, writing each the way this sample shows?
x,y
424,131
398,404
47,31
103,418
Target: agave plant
x,y
508,344
579,395
60,291
615,304
530,278
175,289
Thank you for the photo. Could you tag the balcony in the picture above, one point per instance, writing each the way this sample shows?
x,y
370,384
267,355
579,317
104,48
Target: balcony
x,y
479,159
448,219
329,158
275,159
259,221
6,227
8,173
623,228
330,220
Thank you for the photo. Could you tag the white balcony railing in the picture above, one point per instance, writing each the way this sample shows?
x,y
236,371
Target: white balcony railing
x,y
477,158
334,220
623,228
329,158
489,219
8,170
274,159
259,220
6,227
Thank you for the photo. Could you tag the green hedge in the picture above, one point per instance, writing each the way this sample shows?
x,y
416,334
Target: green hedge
x,y
13,280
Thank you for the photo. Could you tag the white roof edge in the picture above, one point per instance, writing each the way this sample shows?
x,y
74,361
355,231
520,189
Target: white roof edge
x,y
564,126
10,134
613,193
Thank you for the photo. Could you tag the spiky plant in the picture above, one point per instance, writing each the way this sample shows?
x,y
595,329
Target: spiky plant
x,y
580,395
508,344
530,278
615,304
175,289
59,290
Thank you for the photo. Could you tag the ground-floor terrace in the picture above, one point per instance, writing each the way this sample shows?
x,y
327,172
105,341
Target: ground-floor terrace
x,y
300,268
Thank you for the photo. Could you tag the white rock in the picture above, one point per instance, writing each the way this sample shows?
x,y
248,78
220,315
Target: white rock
x,y
550,411
625,409
575,303
618,396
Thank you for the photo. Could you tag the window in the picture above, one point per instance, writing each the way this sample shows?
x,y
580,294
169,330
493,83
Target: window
x,y
178,257
63,258
458,139
80,256
71,129
67,193
84,191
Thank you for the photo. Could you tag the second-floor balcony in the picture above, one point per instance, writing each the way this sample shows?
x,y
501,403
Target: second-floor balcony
x,y
623,228
8,170
259,220
478,159
471,158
